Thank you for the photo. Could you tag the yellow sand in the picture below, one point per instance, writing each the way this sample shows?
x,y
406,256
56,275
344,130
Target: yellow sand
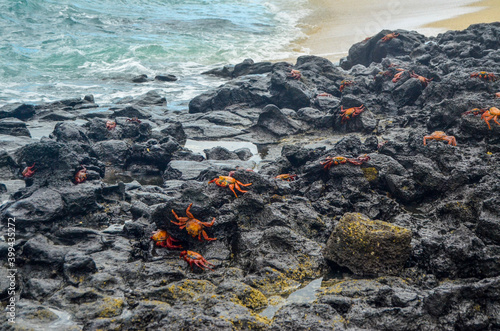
x,y
335,25
490,12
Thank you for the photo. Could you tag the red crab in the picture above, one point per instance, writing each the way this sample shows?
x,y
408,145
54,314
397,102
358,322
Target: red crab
x,y
135,119
491,114
295,74
329,161
324,94
29,171
345,83
497,94
349,113
228,181
193,226
163,239
398,76
422,79
81,175
195,258
287,177
484,75
390,72
389,37
440,135
110,125
486,114
475,111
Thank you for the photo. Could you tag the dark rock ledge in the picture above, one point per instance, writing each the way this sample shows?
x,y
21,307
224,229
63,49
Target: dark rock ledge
x,y
409,240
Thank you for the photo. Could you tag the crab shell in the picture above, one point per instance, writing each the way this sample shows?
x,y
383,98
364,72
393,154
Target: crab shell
x,y
81,176
440,135
196,259
29,171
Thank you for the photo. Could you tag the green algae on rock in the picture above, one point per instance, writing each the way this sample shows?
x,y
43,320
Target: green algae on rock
x,y
368,247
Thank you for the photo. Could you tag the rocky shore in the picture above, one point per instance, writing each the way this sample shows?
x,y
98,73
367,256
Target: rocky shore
x,y
401,236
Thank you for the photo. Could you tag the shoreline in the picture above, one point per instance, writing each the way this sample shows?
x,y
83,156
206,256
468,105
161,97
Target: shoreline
x,y
332,28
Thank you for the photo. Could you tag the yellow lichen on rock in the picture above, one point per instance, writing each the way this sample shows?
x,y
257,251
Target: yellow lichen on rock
x,y
304,270
111,307
370,173
187,290
250,298
275,283
368,247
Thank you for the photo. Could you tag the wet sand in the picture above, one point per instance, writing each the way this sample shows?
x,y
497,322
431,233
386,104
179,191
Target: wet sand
x,y
334,25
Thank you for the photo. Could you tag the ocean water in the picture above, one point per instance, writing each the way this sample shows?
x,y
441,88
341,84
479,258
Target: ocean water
x,y
56,49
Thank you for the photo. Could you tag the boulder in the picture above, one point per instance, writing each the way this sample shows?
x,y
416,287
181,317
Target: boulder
x,y
368,247
17,110
272,120
14,127
44,205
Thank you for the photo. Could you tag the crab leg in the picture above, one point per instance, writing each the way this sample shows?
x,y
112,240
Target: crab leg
x,y
487,120
239,188
231,187
177,217
188,213
207,224
203,264
205,236
495,119
355,162
170,244
451,141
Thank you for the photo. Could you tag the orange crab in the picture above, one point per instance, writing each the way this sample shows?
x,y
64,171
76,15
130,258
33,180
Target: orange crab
x,y
398,75
440,135
389,37
81,175
484,75
422,79
228,181
349,113
295,74
110,125
345,83
196,259
391,71
163,239
287,177
29,171
497,94
193,226
486,114
491,114
329,161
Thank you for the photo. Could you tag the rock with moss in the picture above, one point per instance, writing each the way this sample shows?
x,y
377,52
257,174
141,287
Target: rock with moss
x,y
368,247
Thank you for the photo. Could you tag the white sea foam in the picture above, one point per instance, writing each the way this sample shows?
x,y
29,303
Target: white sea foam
x,y
58,50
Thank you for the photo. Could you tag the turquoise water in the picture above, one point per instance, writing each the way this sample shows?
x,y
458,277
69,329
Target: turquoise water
x,y
55,49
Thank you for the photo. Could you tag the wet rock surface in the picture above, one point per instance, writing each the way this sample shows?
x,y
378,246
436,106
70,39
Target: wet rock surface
x,y
84,254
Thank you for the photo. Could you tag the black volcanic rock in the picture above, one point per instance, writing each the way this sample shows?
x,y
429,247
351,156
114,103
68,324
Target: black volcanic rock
x,y
368,247
13,127
272,120
19,111
85,250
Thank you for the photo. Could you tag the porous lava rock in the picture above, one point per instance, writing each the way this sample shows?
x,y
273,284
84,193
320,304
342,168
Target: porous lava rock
x,y
368,247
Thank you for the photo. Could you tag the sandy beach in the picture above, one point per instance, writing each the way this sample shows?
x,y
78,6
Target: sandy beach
x,y
334,26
